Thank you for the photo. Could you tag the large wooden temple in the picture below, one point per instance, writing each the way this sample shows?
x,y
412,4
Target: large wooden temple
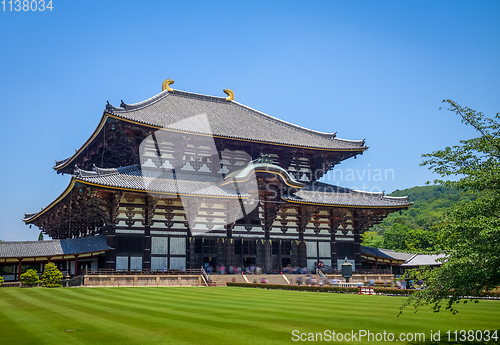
x,y
182,180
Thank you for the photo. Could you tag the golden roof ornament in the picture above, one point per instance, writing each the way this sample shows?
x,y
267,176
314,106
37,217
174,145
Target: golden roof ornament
x,y
230,94
166,85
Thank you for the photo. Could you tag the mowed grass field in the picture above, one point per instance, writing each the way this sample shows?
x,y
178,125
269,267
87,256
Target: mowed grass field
x,y
222,315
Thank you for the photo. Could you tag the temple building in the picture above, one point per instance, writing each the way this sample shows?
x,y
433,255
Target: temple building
x,y
184,180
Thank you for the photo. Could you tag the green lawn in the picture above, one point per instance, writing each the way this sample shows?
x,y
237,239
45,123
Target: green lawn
x,y
222,315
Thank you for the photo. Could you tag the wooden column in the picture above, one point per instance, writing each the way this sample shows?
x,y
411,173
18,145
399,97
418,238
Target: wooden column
x,y
357,248
259,259
268,247
19,270
280,259
295,254
76,265
302,251
190,253
220,252
304,216
333,250
360,221
110,255
229,253
151,204
334,221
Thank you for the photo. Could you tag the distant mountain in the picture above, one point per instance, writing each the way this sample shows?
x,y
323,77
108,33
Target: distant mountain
x,y
430,202
414,229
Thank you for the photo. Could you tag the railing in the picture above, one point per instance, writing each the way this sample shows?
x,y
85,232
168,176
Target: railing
x,y
112,271
320,273
205,276
74,281
11,284
363,271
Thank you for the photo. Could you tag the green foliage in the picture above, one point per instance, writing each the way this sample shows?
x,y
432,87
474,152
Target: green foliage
x,y
1,280
352,290
430,205
470,232
400,236
415,229
40,236
30,278
297,287
51,276
373,239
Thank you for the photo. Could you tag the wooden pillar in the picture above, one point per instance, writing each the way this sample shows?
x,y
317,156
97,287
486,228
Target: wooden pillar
x,y
280,259
229,253
76,265
295,254
333,249
357,248
19,270
110,255
190,253
268,256
220,252
259,259
302,251
335,220
149,211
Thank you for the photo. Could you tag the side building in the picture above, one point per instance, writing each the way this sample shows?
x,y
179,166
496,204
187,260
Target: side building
x,y
184,180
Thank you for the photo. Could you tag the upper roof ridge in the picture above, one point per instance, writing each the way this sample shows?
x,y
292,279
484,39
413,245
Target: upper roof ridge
x,y
135,106
124,108
324,134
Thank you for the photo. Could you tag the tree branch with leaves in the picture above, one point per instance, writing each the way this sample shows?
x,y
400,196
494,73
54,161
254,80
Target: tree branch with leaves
x,y
469,235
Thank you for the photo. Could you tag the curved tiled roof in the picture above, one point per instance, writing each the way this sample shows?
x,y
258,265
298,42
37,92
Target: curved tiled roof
x,y
230,119
424,260
167,181
24,249
154,181
325,194
386,253
179,111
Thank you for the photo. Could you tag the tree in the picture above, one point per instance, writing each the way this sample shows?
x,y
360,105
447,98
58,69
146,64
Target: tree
x,y
470,232
51,276
30,278
40,236
372,239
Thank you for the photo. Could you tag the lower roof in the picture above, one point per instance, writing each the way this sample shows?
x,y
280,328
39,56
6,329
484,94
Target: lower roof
x,y
31,249
424,260
169,182
410,259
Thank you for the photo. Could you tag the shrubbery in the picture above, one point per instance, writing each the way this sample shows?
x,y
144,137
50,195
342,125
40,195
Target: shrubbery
x,y
376,290
30,278
51,276
298,287
1,280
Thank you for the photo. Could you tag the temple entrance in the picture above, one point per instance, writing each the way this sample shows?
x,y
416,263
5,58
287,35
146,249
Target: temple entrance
x,y
209,264
285,262
247,262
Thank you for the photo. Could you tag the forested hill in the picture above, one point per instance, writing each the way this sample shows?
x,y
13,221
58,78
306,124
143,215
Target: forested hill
x,y
429,204
412,229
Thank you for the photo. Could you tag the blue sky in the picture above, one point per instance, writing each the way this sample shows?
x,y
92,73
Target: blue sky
x,y
364,69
